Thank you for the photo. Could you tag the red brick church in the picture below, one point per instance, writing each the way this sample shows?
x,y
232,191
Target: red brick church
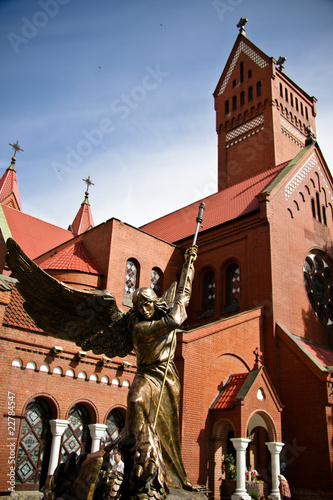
x,y
255,356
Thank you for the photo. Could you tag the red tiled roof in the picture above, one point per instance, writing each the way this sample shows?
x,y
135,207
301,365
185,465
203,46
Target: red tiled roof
x,y
15,314
34,236
74,257
229,392
221,207
83,219
9,185
322,354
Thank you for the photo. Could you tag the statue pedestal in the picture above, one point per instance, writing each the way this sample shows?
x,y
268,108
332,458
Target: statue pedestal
x,y
178,494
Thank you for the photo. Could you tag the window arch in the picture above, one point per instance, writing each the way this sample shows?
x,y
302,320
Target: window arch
x,y
208,293
76,436
231,288
35,439
242,71
115,422
131,281
156,280
226,107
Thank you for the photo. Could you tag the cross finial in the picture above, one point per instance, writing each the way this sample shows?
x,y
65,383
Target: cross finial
x,y
16,147
241,24
258,358
89,183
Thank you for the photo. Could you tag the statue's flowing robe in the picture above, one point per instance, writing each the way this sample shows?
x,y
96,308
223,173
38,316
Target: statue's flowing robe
x,y
153,340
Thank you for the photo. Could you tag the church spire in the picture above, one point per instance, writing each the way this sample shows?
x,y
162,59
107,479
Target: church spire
x,y
83,220
9,191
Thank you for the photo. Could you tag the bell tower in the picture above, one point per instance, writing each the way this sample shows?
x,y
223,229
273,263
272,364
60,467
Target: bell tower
x,y
262,117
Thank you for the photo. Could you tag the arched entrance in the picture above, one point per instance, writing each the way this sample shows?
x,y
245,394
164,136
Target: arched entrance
x,y
220,446
260,430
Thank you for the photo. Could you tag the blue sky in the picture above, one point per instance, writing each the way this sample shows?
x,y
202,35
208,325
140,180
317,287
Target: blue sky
x,y
121,90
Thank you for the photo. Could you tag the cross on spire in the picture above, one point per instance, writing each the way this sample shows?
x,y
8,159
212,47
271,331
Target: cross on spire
x,y
16,148
89,183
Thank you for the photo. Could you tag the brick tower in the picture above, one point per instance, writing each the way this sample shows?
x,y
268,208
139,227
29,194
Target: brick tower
x,y
262,117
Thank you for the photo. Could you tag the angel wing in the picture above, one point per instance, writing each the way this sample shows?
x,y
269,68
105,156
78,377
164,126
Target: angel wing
x,y
90,318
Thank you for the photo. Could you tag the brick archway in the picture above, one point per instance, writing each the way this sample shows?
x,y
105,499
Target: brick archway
x,y
218,450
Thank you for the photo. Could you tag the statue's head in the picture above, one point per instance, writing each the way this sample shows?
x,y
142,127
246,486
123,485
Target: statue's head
x,y
144,301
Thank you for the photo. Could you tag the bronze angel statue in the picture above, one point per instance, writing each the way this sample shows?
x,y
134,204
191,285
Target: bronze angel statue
x,y
150,440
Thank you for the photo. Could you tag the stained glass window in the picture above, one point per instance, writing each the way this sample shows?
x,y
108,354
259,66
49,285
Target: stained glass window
x,y
208,294
318,272
76,435
114,424
232,289
35,436
155,280
131,281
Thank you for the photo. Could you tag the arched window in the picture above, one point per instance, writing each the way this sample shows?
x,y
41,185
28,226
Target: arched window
x,y
76,436
131,281
114,424
156,280
258,89
232,288
250,93
208,293
242,71
226,107
234,102
318,206
35,438
291,99
242,98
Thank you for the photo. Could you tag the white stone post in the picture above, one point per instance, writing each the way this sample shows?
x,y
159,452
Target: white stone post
x,y
58,427
275,450
96,433
240,445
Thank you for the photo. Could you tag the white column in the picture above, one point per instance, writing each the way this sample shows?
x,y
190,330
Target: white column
x,y
275,450
240,445
58,427
96,433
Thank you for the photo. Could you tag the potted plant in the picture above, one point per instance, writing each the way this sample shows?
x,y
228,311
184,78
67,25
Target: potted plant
x,y
254,486
229,468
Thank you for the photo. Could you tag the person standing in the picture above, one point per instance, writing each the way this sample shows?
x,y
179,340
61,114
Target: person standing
x,y
284,488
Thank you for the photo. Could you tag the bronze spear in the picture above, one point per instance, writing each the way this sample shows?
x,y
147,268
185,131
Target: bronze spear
x,y
199,220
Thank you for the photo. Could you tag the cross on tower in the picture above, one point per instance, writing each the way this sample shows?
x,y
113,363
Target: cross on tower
x,y
16,147
89,183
